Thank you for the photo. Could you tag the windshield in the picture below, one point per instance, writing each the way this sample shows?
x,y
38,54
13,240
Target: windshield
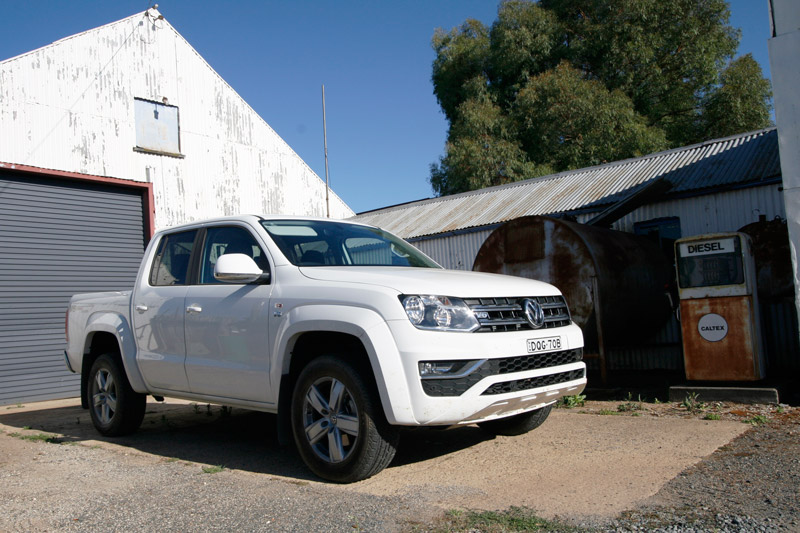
x,y
328,243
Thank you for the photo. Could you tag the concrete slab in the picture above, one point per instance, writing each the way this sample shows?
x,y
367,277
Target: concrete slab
x,y
748,395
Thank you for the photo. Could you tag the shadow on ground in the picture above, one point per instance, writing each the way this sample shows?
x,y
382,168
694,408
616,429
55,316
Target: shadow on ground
x,y
209,434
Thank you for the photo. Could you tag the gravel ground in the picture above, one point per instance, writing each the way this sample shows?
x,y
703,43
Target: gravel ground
x,y
160,480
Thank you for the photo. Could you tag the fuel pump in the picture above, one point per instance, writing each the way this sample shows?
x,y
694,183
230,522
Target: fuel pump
x,y
720,321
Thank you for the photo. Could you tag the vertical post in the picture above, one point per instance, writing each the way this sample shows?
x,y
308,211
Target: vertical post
x,y
325,141
601,348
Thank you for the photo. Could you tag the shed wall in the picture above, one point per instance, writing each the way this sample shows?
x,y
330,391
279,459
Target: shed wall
x,y
70,106
710,213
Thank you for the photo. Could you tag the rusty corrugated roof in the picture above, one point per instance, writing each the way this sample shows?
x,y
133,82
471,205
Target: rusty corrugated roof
x,y
742,160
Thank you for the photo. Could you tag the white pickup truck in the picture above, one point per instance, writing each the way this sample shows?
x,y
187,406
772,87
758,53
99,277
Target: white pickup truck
x,y
345,331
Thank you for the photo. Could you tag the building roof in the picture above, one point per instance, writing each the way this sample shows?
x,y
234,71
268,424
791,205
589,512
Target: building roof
x,y
738,161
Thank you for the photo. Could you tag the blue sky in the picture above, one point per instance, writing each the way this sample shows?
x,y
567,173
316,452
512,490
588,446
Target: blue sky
x,y
374,57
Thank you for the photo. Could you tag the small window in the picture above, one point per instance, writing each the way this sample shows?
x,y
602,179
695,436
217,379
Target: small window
x,y
157,128
229,240
171,264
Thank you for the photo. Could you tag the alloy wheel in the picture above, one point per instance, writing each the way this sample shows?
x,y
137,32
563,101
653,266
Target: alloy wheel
x,y
330,419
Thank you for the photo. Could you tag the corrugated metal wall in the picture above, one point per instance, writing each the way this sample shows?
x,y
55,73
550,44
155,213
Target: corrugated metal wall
x,y
57,238
70,106
710,213
456,252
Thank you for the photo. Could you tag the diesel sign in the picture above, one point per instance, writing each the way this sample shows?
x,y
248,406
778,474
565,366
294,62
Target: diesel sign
x,y
719,246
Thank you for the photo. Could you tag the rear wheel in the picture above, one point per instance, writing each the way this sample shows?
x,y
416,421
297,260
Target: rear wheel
x,y
517,424
116,409
338,424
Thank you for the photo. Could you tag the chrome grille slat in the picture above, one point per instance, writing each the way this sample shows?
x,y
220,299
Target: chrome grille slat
x,y
506,314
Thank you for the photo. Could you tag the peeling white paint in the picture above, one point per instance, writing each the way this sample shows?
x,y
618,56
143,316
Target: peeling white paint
x,y
70,106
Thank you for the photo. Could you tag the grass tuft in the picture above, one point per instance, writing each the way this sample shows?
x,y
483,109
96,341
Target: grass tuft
x,y
39,437
213,469
757,420
514,519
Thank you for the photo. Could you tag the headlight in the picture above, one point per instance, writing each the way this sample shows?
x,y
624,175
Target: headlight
x,y
439,313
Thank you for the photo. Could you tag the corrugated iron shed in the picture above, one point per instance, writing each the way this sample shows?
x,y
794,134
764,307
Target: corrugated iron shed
x,y
744,160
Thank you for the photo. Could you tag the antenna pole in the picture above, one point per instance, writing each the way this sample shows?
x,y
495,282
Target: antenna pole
x,y
325,141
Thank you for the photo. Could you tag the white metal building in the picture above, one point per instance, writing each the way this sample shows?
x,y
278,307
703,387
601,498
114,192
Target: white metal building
x,y
133,100
105,136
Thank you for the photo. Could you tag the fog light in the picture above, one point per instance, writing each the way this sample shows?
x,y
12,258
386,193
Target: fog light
x,y
432,368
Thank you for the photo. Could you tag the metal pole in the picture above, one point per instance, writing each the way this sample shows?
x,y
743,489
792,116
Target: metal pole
x,y
325,140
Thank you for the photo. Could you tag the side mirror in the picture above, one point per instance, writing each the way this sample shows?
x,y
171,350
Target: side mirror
x,y
238,268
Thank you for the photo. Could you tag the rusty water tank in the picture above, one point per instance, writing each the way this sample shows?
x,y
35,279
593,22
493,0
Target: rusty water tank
x,y
773,257
632,273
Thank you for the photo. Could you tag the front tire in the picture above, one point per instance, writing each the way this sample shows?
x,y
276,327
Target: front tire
x,y
338,424
517,424
116,409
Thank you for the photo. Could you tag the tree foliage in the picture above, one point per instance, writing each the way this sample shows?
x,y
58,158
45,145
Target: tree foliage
x,y
555,85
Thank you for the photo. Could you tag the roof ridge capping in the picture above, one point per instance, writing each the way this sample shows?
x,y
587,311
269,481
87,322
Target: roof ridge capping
x,y
521,183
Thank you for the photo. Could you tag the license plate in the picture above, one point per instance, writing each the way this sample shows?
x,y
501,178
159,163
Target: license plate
x,y
548,344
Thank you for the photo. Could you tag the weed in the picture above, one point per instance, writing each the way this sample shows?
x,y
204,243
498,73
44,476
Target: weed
x,y
630,405
606,412
692,404
712,416
196,408
208,409
226,411
214,469
569,402
26,427
514,519
757,420
779,409
39,437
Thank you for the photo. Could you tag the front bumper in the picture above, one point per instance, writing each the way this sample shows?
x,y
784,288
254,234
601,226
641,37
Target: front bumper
x,y
508,382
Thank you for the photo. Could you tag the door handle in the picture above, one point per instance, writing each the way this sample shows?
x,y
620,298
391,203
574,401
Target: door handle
x,y
194,309
141,308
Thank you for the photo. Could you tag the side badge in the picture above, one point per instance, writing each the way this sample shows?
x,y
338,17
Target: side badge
x,y
277,313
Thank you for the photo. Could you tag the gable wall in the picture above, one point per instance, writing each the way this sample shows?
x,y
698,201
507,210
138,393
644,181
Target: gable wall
x,y
70,106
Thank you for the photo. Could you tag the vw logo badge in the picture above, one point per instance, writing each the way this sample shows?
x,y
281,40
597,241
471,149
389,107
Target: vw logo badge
x,y
534,313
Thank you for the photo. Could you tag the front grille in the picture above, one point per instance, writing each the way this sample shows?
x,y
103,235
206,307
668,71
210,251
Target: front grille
x,y
508,365
495,367
534,383
506,314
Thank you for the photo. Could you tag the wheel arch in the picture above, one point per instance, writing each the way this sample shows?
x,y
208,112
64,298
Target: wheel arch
x,y
306,346
309,332
111,332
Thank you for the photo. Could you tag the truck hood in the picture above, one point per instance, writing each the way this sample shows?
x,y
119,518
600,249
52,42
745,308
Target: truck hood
x,y
456,283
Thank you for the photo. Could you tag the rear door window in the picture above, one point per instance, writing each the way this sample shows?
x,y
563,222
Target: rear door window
x,y
171,263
